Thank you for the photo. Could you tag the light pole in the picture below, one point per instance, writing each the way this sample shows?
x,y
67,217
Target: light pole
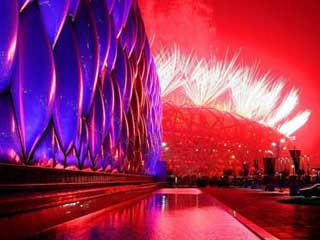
x,y
278,150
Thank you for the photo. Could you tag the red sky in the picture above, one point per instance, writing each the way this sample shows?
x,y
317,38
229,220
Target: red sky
x,y
283,34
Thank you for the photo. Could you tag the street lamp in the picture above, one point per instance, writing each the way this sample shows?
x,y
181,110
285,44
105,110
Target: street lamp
x,y
293,170
279,148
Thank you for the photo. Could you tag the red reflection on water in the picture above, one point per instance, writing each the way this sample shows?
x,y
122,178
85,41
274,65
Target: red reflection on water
x,y
164,215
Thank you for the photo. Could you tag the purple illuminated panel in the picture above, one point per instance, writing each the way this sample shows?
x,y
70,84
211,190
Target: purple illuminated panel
x,y
87,36
10,151
68,104
33,80
53,13
78,87
8,40
103,24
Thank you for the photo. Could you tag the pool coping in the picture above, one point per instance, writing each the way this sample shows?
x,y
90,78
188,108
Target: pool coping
x,y
254,228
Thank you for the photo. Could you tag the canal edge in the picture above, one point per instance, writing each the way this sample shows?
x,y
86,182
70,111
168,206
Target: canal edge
x,y
254,228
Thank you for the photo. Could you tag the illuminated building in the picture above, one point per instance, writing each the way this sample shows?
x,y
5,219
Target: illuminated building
x,y
78,87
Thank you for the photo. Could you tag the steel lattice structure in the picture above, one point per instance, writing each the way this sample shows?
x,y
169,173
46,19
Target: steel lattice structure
x,y
205,141
78,86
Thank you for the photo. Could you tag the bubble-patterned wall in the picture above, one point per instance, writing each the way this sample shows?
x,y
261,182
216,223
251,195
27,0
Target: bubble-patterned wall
x,y
78,86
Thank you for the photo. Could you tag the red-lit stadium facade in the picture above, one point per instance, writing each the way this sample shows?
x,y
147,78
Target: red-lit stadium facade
x,y
207,142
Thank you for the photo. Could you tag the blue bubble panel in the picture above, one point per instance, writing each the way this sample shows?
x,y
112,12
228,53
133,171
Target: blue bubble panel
x,y
53,13
23,4
107,148
59,156
10,150
110,5
108,97
130,33
135,106
84,143
88,44
8,40
141,38
113,48
124,141
120,14
72,160
44,155
96,124
33,83
99,163
117,114
87,163
69,88
73,8
129,87
134,66
120,71
103,24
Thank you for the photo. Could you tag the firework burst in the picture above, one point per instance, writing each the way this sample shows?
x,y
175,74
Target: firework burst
x,y
173,67
292,125
208,81
230,86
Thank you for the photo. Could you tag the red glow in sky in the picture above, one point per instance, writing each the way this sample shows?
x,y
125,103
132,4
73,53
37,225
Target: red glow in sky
x,y
283,35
